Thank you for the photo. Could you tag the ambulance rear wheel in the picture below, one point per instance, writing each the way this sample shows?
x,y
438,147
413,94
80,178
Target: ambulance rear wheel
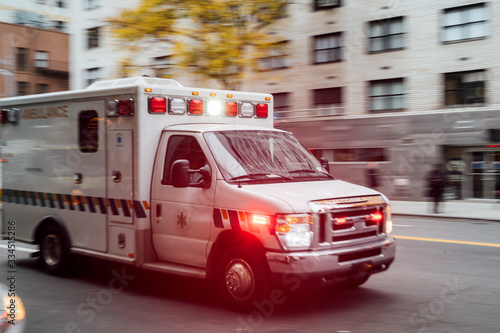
x,y
54,250
242,279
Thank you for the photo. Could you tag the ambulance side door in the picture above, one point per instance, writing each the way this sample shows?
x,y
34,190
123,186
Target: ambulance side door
x,y
181,217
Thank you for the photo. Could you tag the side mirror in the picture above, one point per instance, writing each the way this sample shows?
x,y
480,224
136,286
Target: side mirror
x,y
325,164
180,173
206,174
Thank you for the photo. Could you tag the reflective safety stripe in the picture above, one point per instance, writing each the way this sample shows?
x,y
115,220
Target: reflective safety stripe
x,y
234,219
79,203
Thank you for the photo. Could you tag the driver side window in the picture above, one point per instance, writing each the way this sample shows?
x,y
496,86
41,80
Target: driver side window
x,y
183,147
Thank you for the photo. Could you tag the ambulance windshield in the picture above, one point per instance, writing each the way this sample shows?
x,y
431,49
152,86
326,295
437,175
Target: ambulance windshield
x,y
263,156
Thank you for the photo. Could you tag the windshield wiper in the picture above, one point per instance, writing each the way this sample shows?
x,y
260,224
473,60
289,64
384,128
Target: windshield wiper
x,y
311,171
303,170
259,175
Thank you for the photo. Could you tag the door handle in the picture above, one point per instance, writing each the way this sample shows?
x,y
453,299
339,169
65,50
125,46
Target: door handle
x,y
116,176
158,210
77,178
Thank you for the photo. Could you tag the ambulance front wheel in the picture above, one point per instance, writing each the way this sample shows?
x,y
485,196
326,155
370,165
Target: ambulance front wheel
x,y
242,278
54,250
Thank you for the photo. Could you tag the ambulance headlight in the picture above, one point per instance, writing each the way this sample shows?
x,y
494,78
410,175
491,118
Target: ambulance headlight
x,y
388,220
294,230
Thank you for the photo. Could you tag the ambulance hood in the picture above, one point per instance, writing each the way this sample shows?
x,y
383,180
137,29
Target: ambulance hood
x,y
299,195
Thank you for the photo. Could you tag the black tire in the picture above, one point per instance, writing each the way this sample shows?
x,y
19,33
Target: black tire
x,y
54,250
242,278
356,280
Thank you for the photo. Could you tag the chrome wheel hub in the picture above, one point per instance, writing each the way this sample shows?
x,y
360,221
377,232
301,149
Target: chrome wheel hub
x,y
52,251
240,281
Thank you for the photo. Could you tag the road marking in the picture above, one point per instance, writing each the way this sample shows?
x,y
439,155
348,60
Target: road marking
x,y
447,241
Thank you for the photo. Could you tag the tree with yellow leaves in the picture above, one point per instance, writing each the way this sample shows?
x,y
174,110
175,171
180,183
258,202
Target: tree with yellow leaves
x,y
216,39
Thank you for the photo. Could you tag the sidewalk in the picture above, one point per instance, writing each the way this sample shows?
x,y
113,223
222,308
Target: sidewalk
x,y
462,209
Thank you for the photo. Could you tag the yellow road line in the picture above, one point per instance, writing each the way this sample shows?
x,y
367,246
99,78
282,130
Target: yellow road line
x,y
447,241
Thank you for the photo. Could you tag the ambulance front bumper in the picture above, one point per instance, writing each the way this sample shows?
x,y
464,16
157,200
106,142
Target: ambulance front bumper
x,y
334,263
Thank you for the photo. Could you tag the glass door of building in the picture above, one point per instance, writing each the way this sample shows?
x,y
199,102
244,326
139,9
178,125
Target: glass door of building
x,y
483,174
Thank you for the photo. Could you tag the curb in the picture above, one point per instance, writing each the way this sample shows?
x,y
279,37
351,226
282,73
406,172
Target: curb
x,y
447,217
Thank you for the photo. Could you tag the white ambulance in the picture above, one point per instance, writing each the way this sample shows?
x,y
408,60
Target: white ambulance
x,y
187,181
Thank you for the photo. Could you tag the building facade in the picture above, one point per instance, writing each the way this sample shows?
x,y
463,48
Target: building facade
x,y
406,84
34,47
34,60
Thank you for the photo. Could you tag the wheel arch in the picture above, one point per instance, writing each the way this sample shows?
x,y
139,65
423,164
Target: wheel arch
x,y
56,222
228,239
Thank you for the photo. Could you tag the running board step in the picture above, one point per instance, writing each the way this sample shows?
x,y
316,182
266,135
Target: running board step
x,y
177,269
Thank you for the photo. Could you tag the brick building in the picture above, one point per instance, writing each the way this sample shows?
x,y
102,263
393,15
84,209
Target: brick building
x,y
33,60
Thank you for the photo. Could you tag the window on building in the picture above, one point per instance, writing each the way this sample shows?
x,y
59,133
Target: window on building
x,y
464,88
61,3
465,22
162,66
22,88
21,59
326,4
386,35
386,95
91,4
277,57
93,74
88,134
372,154
41,59
93,37
377,154
42,88
327,101
327,96
328,48
59,25
281,102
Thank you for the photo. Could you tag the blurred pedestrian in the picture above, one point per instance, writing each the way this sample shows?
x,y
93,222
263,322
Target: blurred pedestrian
x,y
436,186
373,175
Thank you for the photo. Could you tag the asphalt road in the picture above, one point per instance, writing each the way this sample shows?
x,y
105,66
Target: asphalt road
x,y
444,279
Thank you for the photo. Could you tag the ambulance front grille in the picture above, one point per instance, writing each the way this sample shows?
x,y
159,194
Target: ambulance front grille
x,y
347,225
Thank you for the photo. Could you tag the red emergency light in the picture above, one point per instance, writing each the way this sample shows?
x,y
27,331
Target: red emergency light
x,y
261,110
377,217
120,108
125,107
157,105
231,109
340,220
196,106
